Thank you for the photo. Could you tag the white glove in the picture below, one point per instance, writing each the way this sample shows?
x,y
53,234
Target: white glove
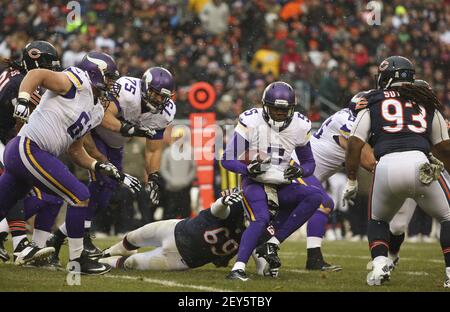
x,y
22,109
131,182
231,199
351,189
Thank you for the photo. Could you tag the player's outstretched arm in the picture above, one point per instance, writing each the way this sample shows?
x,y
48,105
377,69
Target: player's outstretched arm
x,y
442,152
110,120
91,148
79,155
367,160
57,82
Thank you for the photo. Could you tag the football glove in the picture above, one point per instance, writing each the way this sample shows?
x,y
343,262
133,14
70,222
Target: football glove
x,y
292,173
131,182
351,189
107,169
258,166
129,129
111,171
153,188
231,199
22,109
429,172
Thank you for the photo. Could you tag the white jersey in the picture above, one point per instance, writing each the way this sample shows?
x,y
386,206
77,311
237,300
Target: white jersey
x,y
130,109
60,120
269,142
328,154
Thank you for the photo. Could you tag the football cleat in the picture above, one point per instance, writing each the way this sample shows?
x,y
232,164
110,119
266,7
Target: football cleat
x,y
318,264
89,247
85,265
27,252
56,241
237,275
4,256
116,262
447,282
392,263
380,273
269,252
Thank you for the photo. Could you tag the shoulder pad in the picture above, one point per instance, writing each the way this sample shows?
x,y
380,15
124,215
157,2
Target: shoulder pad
x,y
77,76
251,117
126,96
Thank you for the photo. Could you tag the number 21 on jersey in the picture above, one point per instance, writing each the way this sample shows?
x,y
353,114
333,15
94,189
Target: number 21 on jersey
x,y
395,112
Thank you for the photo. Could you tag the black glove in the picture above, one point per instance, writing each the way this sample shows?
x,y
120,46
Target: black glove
x,y
153,188
129,129
258,166
292,173
22,109
131,182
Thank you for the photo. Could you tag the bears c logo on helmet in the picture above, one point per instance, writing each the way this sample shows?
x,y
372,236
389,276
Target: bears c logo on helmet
x,y
384,65
34,53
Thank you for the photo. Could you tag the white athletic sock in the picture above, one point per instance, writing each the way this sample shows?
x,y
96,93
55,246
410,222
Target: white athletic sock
x,y
274,240
40,237
87,224
75,248
63,229
16,240
313,242
238,266
4,226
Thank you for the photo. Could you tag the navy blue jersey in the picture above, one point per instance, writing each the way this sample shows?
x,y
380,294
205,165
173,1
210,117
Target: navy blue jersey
x,y
396,125
9,88
208,239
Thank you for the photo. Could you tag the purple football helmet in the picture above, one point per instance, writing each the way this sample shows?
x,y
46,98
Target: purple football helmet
x,y
157,87
102,71
278,102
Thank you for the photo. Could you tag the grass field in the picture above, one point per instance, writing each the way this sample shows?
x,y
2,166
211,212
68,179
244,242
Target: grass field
x,y
421,268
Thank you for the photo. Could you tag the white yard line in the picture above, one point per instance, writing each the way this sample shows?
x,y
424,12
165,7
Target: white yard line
x,y
168,283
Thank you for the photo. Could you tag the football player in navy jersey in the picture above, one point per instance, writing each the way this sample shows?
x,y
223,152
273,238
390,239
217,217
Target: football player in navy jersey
x,y
212,236
402,122
36,54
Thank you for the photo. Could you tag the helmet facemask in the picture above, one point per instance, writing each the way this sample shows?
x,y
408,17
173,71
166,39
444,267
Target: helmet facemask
x,y
156,101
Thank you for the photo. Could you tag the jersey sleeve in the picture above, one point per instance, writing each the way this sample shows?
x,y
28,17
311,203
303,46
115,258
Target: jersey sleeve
x,y
75,76
246,121
305,125
361,128
439,129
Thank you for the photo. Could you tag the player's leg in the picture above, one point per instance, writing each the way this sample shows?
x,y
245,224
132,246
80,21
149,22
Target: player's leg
x,y
398,227
50,175
46,208
434,199
316,229
16,183
152,234
159,234
14,223
257,209
101,189
393,181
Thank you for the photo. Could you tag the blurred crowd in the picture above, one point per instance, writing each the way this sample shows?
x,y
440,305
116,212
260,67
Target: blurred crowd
x,y
327,49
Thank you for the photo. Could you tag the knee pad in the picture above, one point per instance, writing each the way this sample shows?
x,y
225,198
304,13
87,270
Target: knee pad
x,y
378,230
